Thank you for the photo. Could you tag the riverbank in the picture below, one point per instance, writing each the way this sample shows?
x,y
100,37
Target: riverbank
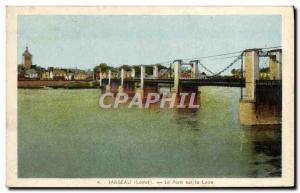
x,y
70,84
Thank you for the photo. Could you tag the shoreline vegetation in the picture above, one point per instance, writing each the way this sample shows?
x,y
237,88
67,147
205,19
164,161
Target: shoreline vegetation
x,y
67,84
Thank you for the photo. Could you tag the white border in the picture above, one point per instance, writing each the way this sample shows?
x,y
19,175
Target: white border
x,y
288,94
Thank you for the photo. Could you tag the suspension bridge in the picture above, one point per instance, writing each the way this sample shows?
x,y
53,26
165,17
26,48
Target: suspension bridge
x,y
173,72
248,79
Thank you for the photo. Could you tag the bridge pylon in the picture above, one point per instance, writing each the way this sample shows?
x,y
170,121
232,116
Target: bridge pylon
x,y
250,114
132,72
140,90
177,74
109,81
155,71
251,73
195,69
247,103
100,79
121,87
275,58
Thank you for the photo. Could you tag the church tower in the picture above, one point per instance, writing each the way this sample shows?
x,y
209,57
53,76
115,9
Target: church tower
x,y
27,59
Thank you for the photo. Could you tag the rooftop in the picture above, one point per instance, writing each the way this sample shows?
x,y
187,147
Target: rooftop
x,y
26,52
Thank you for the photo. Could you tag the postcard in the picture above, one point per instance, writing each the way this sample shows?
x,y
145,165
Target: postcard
x,y
150,97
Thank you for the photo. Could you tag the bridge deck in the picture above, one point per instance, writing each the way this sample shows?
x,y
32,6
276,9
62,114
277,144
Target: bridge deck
x,y
208,82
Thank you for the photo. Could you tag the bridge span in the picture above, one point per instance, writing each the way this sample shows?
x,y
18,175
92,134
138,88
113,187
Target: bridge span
x,y
254,90
226,82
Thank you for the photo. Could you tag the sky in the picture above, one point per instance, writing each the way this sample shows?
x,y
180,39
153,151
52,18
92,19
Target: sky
x,y
83,41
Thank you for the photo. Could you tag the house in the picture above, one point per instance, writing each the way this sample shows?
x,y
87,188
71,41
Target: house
x,y
31,74
81,75
103,75
69,76
58,74
164,73
202,75
46,75
186,74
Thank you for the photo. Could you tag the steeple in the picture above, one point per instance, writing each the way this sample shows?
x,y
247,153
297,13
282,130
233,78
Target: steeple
x,y
27,58
26,52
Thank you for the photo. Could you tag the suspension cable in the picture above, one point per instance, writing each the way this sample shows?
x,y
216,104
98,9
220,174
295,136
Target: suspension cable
x,y
227,67
208,70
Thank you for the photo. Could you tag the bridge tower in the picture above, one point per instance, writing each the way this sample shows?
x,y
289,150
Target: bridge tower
x,y
132,72
121,87
275,58
247,103
100,79
195,70
155,71
109,81
251,112
251,73
177,74
142,77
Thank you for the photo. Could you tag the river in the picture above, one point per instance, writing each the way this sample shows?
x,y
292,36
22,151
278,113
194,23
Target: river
x,y
65,134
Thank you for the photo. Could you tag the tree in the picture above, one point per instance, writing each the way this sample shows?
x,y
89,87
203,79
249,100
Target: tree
x,y
125,67
233,71
264,70
137,70
21,69
103,67
148,69
161,67
236,72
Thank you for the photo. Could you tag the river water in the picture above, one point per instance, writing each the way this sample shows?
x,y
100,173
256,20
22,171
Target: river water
x,y
65,134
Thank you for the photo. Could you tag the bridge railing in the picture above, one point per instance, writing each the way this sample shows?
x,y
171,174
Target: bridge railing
x,y
265,84
269,83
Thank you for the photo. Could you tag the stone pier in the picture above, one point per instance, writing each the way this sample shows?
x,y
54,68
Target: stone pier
x,y
247,103
121,87
140,90
155,71
109,81
275,58
177,74
195,69
100,79
252,110
132,72
142,76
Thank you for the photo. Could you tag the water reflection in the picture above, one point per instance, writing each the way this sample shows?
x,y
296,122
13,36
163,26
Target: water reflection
x,y
189,102
187,120
266,149
185,117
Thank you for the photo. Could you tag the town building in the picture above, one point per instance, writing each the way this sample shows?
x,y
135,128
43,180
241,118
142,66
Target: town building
x,y
27,59
31,74
69,76
46,75
81,76
58,74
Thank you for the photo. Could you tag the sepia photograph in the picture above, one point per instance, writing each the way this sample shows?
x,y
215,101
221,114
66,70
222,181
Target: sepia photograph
x,y
150,96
